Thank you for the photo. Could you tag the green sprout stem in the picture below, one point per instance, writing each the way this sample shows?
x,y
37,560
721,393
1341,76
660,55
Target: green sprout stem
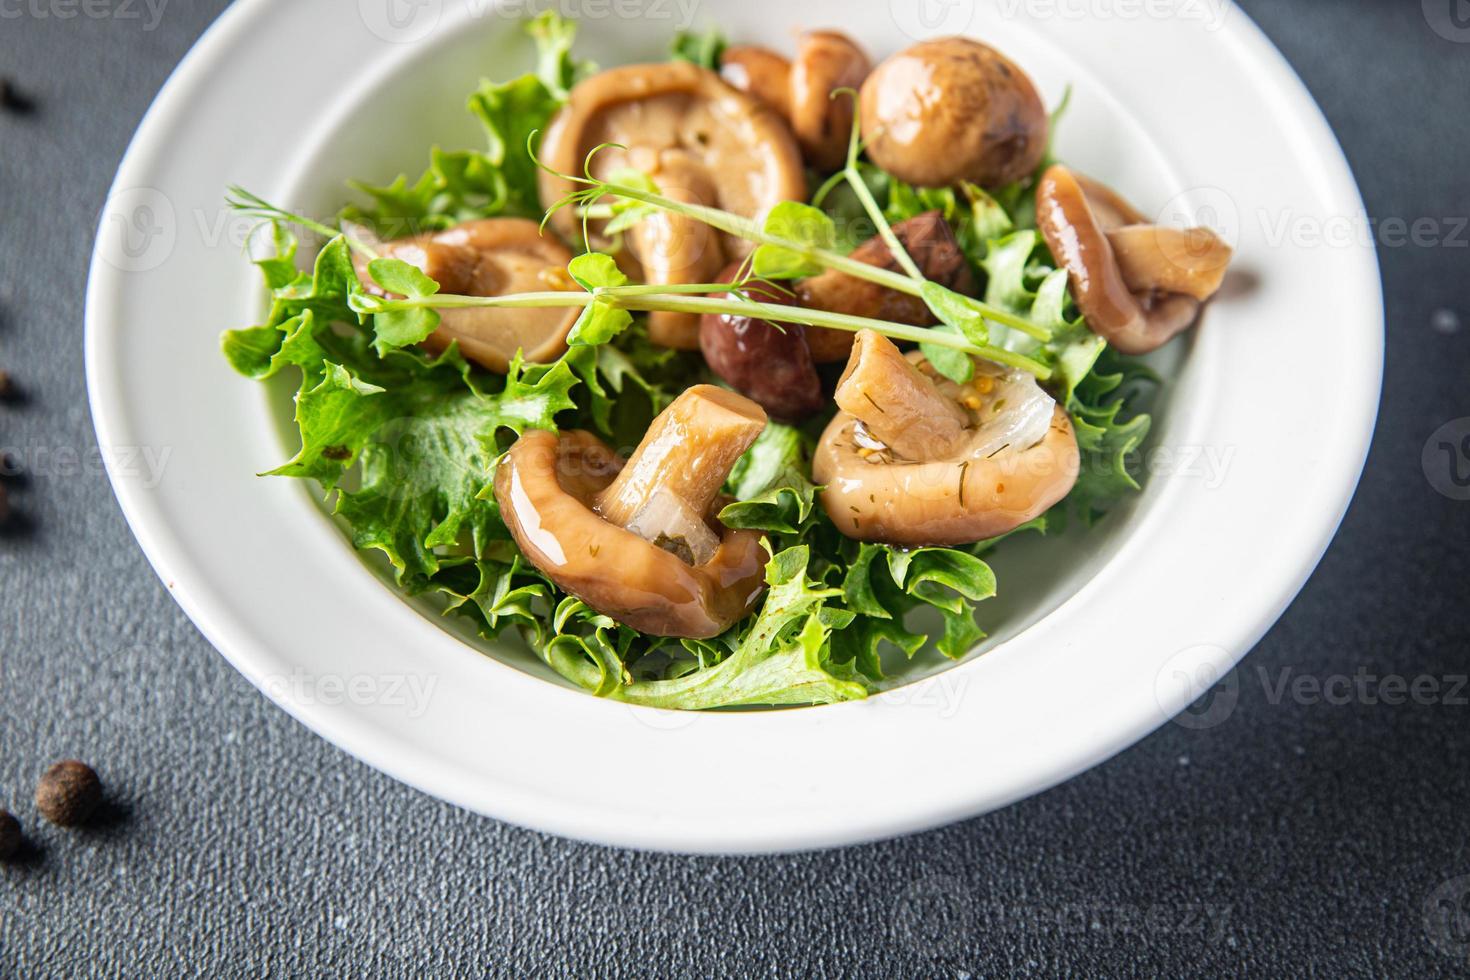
x,y
639,299
254,206
740,227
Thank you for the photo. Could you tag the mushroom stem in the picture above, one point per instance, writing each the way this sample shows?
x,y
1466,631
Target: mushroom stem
x,y
688,452
897,403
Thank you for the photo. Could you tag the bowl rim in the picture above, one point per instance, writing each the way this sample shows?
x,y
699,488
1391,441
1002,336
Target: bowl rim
x,y
360,735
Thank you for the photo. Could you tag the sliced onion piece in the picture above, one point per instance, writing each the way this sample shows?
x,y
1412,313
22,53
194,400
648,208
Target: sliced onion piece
x,y
1015,416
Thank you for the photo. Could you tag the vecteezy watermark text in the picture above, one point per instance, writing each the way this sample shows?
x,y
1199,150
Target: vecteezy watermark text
x,y
147,12
412,692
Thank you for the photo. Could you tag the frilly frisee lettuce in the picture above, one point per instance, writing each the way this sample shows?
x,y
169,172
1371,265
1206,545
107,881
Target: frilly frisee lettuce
x,y
404,444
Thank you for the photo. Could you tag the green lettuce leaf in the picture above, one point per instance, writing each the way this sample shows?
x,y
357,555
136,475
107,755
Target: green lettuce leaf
x,y
782,658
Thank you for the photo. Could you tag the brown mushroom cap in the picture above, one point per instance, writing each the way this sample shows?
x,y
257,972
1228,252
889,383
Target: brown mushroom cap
x,y
640,541
546,487
930,242
802,90
767,362
953,109
825,62
701,141
760,72
954,488
490,257
1138,285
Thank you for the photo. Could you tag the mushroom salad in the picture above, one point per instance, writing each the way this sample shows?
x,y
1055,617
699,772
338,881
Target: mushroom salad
x,y
707,376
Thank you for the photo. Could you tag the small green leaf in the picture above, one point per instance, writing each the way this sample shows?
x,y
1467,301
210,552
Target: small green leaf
x,y
956,311
799,223
599,322
955,365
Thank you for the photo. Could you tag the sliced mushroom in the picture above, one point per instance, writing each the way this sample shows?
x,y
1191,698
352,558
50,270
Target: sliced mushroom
x,y
639,541
953,109
929,241
1137,284
802,89
701,141
914,459
490,257
767,362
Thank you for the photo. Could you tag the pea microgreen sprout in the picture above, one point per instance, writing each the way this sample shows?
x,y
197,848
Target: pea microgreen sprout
x,y
639,298
865,196
253,206
790,215
608,297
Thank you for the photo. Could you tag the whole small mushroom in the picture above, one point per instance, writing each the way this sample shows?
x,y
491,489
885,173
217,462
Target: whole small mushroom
x,y
489,257
952,110
914,459
802,89
767,362
760,72
1138,285
640,542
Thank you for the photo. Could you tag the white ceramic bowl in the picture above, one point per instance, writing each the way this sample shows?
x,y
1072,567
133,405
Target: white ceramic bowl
x,y
1096,640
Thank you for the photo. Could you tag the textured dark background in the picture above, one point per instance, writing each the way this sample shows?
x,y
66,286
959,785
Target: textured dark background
x,y
1292,835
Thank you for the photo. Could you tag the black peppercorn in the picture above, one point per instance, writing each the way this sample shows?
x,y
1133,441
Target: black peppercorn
x,y
68,793
10,836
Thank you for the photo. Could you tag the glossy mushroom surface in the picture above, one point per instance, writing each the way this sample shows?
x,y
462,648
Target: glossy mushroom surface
x,y
490,257
638,541
767,362
930,242
1138,285
760,72
802,89
701,141
953,109
914,459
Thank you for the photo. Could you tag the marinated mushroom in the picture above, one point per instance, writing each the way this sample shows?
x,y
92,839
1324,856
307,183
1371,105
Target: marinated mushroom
x,y
801,90
953,109
929,241
701,141
915,459
638,541
760,72
767,362
1138,285
490,257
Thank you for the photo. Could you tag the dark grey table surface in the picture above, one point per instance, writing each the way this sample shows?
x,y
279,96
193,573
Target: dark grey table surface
x,y
1304,833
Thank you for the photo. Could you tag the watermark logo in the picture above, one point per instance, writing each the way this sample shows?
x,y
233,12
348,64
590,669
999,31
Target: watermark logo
x,y
411,692
933,916
1210,13
401,21
1446,459
1450,19
941,694
1202,207
138,229
1447,918
1194,675
925,19
147,12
